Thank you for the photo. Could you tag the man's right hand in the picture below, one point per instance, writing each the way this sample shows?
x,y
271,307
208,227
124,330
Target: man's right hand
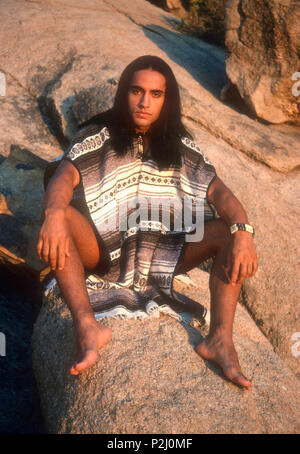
x,y
54,239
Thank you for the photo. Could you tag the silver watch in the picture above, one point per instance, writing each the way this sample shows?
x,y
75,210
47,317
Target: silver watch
x,y
238,226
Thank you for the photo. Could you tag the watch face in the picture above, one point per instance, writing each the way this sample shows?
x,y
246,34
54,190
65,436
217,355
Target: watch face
x,y
241,227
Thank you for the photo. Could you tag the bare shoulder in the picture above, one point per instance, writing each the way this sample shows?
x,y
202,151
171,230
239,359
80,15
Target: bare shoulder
x,y
66,168
216,188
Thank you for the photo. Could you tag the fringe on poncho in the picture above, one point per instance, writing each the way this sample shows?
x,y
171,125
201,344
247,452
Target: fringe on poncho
x,y
139,260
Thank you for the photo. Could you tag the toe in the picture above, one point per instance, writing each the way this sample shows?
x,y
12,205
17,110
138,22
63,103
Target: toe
x,y
89,358
238,378
243,381
73,370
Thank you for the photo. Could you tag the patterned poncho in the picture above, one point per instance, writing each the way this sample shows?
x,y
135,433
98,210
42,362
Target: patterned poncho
x,y
118,194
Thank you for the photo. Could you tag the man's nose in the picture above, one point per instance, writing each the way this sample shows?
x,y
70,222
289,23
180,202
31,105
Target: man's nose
x,y
145,100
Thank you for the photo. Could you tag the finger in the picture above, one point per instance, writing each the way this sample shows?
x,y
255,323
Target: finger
x,y
227,266
226,273
235,272
251,269
53,254
39,247
61,256
45,251
67,247
243,273
254,269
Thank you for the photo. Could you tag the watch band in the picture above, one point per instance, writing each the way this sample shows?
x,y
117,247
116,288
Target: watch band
x,y
238,226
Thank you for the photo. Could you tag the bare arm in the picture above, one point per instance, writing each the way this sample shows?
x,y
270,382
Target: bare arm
x,y
53,241
60,188
227,205
241,257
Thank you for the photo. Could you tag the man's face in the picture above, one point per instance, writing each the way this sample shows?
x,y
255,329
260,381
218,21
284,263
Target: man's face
x,y
146,97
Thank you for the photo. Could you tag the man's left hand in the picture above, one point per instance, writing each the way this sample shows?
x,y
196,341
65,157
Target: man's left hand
x,y
241,258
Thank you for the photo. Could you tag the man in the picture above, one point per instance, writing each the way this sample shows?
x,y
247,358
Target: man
x,y
147,104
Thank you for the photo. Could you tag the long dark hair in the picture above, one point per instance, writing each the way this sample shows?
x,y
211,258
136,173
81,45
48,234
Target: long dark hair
x,y
165,131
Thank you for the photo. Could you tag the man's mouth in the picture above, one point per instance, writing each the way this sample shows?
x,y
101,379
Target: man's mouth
x,y
143,114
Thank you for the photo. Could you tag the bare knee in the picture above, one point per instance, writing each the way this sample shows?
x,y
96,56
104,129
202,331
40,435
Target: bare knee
x,y
77,223
71,212
84,238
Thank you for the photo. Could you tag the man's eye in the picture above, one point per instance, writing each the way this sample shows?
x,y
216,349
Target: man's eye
x,y
135,91
157,94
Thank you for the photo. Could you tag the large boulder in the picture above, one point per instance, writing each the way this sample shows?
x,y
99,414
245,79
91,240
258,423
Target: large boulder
x,y
64,72
149,379
262,41
75,61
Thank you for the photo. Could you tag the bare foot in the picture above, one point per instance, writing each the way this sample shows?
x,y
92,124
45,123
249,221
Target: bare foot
x,y
223,353
90,337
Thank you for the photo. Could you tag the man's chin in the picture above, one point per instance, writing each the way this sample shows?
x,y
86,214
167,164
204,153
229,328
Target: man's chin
x,y
142,124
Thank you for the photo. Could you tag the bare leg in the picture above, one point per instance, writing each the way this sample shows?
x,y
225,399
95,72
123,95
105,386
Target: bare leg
x,y
218,345
84,253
